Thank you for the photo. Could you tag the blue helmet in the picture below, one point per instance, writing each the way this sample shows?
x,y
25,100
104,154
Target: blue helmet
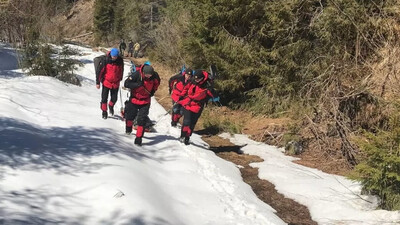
x,y
114,52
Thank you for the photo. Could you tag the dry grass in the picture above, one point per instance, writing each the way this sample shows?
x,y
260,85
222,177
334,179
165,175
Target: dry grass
x,y
73,25
384,80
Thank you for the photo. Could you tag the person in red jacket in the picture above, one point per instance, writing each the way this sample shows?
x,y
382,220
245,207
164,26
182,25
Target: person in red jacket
x,y
196,94
110,76
142,83
176,85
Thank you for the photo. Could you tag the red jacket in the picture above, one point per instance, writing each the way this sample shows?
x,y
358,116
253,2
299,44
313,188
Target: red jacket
x,y
142,88
196,95
112,72
176,86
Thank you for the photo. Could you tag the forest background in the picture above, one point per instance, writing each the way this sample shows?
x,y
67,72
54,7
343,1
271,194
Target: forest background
x,y
329,66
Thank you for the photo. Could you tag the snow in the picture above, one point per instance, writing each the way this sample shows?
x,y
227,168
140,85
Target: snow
x,y
331,199
60,163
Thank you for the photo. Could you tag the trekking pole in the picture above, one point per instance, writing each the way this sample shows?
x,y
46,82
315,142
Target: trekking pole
x,y
122,111
169,110
161,98
159,119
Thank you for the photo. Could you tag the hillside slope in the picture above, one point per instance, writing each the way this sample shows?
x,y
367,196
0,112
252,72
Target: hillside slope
x,y
74,25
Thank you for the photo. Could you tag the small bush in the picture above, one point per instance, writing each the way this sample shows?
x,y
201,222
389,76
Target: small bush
x,y
42,60
66,66
217,123
379,171
292,135
37,58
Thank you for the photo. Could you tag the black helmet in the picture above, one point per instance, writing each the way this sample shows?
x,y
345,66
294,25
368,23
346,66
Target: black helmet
x,y
189,72
198,76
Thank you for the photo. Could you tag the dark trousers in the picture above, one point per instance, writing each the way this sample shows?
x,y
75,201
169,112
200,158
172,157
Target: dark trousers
x,y
177,111
131,112
122,52
189,122
104,97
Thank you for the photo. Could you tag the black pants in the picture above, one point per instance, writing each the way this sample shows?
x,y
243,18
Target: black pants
x,y
122,51
104,95
177,111
189,122
133,110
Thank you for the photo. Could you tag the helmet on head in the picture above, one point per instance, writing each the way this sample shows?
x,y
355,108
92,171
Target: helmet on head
x,y
148,70
198,76
114,52
188,71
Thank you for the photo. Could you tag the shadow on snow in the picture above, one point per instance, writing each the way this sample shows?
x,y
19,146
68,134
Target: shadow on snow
x,y
67,150
8,59
25,146
39,216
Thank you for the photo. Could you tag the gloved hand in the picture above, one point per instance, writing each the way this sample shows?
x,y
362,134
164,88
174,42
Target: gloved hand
x,y
215,99
152,93
140,83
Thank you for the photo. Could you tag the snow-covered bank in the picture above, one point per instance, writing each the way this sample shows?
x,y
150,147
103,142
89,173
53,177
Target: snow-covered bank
x,y
331,199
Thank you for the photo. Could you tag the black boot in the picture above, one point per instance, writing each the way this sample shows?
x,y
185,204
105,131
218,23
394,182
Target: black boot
x,y
186,141
104,114
128,130
138,141
111,108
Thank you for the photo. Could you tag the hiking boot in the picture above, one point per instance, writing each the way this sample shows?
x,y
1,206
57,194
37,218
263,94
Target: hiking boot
x,y
104,115
138,141
186,141
174,123
111,109
128,130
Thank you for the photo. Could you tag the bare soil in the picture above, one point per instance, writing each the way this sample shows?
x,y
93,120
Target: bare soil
x,y
287,209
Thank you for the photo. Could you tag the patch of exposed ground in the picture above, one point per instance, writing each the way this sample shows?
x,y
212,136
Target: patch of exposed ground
x,y
75,25
287,209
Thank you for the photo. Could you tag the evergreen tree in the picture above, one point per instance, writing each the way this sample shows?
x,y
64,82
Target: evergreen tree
x,y
103,19
379,172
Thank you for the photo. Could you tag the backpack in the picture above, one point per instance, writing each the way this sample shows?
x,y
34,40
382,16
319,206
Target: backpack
x,y
99,63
